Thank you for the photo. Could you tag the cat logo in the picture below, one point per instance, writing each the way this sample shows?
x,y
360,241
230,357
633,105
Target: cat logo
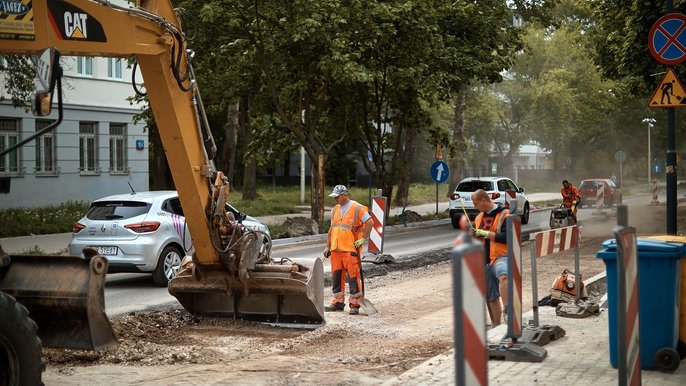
x,y
75,26
72,23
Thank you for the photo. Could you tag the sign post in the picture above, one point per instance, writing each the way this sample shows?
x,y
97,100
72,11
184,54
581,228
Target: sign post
x,y
439,173
667,44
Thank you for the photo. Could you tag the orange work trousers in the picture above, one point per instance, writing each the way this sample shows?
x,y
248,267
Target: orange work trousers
x,y
345,264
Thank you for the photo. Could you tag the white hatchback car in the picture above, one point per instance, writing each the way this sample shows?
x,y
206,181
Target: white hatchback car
x,y
141,232
501,189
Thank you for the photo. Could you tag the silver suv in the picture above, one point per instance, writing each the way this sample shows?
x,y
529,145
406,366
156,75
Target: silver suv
x,y
141,232
501,189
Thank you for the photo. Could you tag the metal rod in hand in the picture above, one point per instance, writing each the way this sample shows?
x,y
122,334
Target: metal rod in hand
x,y
534,281
577,276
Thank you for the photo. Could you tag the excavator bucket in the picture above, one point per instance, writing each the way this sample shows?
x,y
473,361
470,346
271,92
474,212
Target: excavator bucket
x,y
64,296
290,293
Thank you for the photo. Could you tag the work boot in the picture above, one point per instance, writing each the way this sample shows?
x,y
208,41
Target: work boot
x,y
354,310
334,307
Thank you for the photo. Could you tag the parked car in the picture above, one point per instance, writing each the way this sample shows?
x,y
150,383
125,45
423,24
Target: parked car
x,y
141,232
589,192
501,189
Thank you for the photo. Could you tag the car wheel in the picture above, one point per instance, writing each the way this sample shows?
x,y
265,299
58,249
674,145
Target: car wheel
x,y
167,265
455,221
525,214
20,348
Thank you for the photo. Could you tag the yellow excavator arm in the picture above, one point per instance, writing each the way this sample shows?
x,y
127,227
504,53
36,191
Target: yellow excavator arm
x,y
231,271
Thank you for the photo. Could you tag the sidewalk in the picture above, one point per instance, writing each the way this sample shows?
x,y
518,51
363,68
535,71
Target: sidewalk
x,y
581,357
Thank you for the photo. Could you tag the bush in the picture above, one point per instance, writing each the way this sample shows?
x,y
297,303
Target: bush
x,y
39,221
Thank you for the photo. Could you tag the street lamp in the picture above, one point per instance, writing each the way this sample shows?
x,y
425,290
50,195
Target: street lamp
x,y
650,122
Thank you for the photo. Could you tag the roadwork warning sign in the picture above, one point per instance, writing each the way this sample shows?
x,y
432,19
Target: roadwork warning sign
x,y
669,93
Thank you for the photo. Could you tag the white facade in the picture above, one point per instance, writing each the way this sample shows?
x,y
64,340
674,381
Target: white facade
x,y
96,151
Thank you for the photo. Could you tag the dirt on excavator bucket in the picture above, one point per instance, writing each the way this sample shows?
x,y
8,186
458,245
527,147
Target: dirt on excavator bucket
x,y
64,296
287,293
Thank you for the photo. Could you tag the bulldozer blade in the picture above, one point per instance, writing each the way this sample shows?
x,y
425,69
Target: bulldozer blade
x,y
64,296
284,294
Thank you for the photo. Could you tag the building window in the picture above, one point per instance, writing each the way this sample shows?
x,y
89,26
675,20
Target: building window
x,y
114,68
46,158
9,135
88,147
84,66
118,148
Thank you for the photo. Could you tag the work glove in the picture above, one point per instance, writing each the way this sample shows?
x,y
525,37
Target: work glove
x,y
480,233
327,253
574,202
360,242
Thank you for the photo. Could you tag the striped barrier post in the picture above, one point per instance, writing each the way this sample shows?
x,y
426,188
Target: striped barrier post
x,y
547,243
469,312
378,215
514,273
629,358
509,348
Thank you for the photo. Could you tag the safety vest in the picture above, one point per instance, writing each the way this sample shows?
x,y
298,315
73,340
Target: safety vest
x,y
344,231
570,194
496,249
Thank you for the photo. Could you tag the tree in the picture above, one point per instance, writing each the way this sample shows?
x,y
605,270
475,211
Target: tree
x,y
620,34
19,72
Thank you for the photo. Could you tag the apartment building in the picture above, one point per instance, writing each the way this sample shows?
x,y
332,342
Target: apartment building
x,y
97,150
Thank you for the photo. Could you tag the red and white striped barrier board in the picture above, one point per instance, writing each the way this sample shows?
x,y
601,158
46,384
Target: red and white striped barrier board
x,y
655,192
555,240
629,366
469,312
514,268
600,197
378,215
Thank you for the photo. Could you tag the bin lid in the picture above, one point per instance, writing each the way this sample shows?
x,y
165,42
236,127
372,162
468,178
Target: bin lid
x,y
647,247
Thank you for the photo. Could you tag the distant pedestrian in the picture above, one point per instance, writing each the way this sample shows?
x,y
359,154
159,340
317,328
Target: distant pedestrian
x,y
351,225
490,226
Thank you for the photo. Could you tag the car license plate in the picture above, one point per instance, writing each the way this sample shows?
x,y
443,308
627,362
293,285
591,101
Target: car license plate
x,y
106,251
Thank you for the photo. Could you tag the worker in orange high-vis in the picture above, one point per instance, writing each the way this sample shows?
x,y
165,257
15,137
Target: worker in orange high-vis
x,y
490,226
351,225
570,196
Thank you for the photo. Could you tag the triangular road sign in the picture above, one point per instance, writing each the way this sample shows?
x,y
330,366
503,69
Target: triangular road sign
x,y
669,93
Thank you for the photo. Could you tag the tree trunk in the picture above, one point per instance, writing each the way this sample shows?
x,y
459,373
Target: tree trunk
x,y
160,176
317,188
459,142
230,139
250,165
406,170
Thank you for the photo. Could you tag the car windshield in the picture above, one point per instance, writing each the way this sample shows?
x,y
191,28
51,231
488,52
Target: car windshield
x,y
590,184
111,210
474,185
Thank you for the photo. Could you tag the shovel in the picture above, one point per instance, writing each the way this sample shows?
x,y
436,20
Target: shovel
x,y
366,304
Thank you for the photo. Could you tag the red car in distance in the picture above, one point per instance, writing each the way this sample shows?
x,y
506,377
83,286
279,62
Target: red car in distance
x,y
589,192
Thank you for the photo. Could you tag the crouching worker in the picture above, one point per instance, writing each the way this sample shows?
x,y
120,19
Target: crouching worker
x,y
490,226
351,225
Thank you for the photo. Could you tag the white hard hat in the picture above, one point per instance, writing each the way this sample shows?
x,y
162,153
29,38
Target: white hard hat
x,y
338,190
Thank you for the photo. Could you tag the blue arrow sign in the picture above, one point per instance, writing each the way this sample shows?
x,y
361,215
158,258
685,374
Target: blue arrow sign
x,y
440,172
667,39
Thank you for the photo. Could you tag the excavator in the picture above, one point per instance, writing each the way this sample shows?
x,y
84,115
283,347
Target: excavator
x,y
58,301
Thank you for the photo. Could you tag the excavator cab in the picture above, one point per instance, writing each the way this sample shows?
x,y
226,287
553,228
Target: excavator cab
x,y
64,295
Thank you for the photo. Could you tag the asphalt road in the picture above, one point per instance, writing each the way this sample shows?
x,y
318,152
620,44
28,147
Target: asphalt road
x,y
129,292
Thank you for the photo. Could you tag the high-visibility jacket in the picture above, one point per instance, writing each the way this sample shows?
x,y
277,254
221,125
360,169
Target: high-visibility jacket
x,y
570,195
497,247
345,230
